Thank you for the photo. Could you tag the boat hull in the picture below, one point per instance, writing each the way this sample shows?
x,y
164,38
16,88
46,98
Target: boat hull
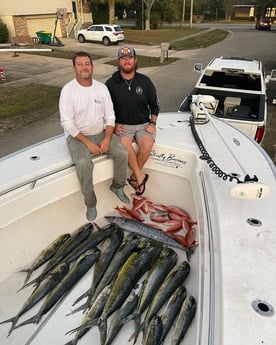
x,y
43,200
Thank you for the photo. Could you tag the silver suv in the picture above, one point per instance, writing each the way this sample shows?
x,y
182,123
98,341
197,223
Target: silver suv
x,y
239,87
104,33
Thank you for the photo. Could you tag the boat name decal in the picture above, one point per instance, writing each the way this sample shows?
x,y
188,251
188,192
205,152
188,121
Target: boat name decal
x,y
168,159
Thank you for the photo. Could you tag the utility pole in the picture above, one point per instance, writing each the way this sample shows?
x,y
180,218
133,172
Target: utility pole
x,y
191,14
183,12
142,21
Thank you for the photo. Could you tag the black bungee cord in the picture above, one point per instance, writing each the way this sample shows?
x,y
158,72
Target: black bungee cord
x,y
214,167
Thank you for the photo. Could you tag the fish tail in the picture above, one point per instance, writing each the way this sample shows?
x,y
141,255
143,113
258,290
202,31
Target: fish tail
x,y
13,326
23,287
73,330
24,270
86,293
82,307
8,320
29,273
34,282
137,328
33,319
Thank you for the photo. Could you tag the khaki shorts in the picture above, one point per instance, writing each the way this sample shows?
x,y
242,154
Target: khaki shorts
x,y
134,132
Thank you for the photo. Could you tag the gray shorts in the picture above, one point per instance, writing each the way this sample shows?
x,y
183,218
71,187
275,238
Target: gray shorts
x,y
134,132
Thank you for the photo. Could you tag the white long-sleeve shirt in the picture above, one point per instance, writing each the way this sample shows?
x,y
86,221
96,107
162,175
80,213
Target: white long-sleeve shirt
x,y
85,109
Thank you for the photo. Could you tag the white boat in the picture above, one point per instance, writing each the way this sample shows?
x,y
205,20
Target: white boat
x,y
232,273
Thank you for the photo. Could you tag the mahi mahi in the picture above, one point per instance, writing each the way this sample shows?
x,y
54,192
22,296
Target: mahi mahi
x,y
154,331
45,255
91,316
129,244
108,248
171,311
122,316
90,242
184,319
154,278
176,277
52,280
68,246
77,271
134,268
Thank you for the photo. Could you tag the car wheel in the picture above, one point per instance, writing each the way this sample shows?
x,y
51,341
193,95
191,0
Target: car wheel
x,y
81,39
106,41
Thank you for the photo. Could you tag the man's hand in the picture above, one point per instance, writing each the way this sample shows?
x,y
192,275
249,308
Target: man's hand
x,y
119,129
93,148
150,128
104,145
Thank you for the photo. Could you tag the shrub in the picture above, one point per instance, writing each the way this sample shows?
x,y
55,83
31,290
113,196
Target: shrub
x,y
4,33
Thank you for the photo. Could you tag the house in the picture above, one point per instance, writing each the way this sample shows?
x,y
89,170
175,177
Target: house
x,y
244,11
61,18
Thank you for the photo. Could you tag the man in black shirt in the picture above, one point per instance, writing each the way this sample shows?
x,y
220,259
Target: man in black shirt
x,y
136,109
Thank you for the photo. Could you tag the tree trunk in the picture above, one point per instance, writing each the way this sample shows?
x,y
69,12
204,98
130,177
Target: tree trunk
x,y
147,18
111,11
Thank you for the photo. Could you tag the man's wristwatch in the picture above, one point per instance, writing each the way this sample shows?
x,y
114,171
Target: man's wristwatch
x,y
152,122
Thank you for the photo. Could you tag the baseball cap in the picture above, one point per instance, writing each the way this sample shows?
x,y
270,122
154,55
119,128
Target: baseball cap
x,y
126,51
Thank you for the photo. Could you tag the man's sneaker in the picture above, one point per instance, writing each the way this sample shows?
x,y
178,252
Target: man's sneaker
x,y
120,194
91,213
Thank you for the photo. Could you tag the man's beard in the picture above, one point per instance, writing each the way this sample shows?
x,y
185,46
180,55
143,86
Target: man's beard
x,y
128,69
86,75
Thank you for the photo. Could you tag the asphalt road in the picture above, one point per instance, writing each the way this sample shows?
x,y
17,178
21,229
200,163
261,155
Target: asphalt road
x,y
172,81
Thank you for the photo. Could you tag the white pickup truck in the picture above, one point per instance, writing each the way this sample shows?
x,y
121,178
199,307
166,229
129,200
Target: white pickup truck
x,y
239,87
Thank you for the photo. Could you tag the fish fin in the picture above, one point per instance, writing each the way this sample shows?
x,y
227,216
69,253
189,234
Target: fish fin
x,y
85,294
29,273
33,319
34,282
73,330
82,307
13,320
8,320
138,326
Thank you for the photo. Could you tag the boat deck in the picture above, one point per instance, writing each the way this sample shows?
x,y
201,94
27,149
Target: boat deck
x,y
231,269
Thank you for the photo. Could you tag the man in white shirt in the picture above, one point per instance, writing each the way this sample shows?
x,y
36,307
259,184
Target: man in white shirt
x,y
88,119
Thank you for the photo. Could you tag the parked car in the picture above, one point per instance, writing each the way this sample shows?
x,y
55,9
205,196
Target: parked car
x,y
107,34
239,87
263,24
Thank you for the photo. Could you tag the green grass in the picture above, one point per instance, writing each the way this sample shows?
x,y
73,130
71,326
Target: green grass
x,y
202,41
146,61
158,36
26,99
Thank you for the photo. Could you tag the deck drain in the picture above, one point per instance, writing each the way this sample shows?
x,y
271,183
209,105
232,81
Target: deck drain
x,y
254,222
262,307
236,142
34,158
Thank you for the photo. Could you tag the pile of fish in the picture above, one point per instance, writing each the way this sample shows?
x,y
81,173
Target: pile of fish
x,y
173,220
134,278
